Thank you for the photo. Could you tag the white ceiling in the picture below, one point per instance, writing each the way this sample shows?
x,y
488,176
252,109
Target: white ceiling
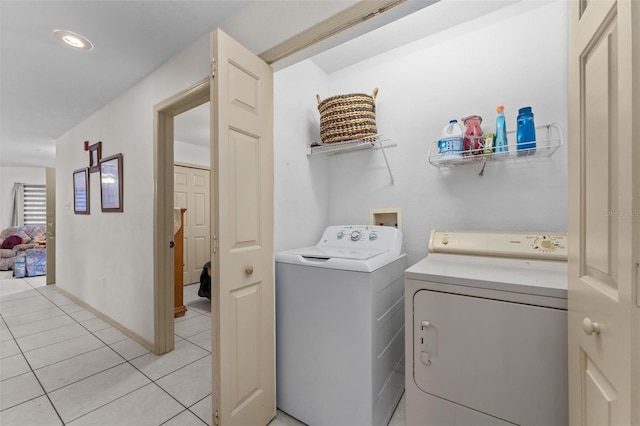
x,y
47,89
425,22
192,126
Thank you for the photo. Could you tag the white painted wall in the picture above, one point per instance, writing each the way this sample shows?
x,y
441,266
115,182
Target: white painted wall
x,y
301,183
11,175
516,57
106,259
191,154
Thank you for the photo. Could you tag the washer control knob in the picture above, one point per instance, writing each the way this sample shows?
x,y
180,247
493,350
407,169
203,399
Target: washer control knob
x,y
373,236
355,235
445,241
340,235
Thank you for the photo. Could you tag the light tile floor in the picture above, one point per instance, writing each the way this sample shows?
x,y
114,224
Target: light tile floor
x,y
60,364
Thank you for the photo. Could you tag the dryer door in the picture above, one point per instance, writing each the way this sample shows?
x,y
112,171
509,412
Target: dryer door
x,y
504,359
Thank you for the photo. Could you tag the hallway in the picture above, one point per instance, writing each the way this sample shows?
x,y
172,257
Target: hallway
x,y
60,364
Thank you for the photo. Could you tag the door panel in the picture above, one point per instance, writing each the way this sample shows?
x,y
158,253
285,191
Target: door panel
x,y
245,211
191,191
600,160
603,246
246,304
599,394
199,223
242,182
181,200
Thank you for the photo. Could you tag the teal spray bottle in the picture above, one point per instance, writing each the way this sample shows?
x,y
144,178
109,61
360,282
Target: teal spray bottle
x,y
501,131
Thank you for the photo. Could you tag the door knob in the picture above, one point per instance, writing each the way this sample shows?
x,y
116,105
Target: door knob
x,y
248,270
171,244
590,327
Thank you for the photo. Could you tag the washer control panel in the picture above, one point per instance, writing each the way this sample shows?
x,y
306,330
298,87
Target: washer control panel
x,y
544,245
365,236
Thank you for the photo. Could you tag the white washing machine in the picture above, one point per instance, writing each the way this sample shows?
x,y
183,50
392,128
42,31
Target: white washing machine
x,y
340,327
486,330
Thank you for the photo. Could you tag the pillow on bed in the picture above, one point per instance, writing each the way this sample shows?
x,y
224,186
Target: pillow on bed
x,y
25,237
11,241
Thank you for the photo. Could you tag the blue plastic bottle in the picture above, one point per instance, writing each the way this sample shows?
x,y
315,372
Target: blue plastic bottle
x,y
501,131
526,132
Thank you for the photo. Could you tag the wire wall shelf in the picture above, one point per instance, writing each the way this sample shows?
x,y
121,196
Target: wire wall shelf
x,y
548,140
370,142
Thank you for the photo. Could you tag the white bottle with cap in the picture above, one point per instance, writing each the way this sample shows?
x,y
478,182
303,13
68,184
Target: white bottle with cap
x,y
450,142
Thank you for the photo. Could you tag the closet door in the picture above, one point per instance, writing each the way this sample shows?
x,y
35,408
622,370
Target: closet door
x,y
243,299
191,191
604,213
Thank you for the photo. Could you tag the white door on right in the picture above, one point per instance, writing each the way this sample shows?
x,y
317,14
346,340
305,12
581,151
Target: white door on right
x,y
604,212
243,297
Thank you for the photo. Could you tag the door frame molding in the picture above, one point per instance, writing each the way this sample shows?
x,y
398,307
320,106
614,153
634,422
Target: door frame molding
x,y
192,166
50,176
163,145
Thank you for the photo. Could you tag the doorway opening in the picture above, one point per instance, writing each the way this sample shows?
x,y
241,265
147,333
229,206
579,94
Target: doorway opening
x,y
192,191
192,187
164,283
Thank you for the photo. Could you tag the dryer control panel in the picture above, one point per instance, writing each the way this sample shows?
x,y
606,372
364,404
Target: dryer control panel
x,y
542,245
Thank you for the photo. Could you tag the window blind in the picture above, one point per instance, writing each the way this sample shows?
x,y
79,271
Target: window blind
x,y
35,204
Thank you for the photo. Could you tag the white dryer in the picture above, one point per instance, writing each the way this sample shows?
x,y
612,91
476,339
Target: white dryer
x,y
486,330
340,327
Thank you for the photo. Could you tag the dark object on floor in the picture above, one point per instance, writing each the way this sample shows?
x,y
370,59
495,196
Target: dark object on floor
x,y
205,281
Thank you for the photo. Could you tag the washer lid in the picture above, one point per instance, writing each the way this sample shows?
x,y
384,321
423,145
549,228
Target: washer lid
x,y
326,252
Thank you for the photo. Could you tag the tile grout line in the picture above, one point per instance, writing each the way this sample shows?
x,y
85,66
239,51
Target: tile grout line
x,y
41,319
37,379
135,368
43,331
68,384
124,361
151,381
112,401
189,410
30,312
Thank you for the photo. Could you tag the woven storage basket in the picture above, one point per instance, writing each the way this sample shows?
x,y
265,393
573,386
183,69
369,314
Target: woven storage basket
x,y
347,117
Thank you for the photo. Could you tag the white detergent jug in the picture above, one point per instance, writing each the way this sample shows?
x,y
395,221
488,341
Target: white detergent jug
x,y
450,143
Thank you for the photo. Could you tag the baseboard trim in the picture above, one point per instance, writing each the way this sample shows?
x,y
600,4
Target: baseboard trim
x,y
115,324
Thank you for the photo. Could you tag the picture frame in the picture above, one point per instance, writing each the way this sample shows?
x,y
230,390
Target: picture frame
x,y
95,155
81,191
111,184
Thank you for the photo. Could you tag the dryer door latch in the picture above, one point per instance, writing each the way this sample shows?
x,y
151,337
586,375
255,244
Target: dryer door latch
x,y
424,357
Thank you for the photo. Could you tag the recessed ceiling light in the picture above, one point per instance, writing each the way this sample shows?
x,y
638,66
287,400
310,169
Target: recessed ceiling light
x,y
72,39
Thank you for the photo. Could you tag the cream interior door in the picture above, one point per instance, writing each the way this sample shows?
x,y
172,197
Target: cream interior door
x,y
604,211
51,225
181,199
192,191
243,309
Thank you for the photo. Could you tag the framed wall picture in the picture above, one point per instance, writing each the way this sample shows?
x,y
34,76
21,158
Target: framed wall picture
x,y
95,155
111,183
81,191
